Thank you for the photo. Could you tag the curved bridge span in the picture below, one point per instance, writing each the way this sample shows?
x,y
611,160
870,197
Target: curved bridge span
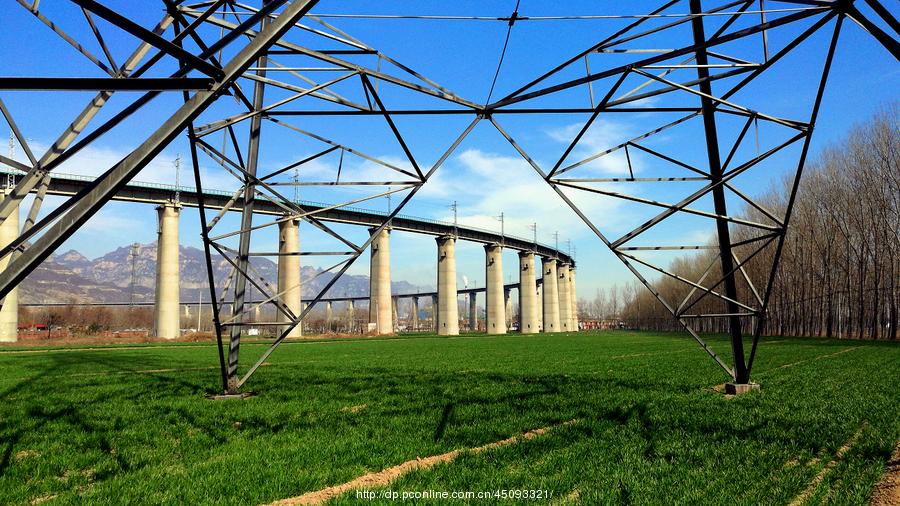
x,y
553,309
155,193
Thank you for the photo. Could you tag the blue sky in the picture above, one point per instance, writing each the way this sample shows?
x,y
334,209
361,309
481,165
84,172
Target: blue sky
x,y
485,175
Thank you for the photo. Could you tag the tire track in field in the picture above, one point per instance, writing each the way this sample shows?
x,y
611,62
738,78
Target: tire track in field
x,y
648,354
387,476
818,357
817,480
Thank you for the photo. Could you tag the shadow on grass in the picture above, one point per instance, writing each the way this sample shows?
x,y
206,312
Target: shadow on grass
x,y
418,411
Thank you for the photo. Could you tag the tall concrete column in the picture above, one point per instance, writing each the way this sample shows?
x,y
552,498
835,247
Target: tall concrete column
x,y
351,315
329,314
289,273
414,314
473,312
551,295
573,298
528,294
380,307
395,313
494,294
9,314
565,297
447,308
434,312
507,307
539,306
167,321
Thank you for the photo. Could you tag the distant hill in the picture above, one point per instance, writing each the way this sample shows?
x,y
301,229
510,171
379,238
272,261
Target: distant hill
x,y
71,277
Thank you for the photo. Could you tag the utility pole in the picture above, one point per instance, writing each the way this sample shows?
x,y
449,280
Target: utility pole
x,y
454,208
296,180
502,228
199,310
389,200
177,178
533,228
556,240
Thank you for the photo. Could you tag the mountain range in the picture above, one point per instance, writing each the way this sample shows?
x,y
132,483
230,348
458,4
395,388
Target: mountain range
x,y
71,277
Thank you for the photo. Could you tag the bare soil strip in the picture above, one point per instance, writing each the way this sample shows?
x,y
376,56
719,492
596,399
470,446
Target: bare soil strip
x,y
887,491
387,476
814,484
100,348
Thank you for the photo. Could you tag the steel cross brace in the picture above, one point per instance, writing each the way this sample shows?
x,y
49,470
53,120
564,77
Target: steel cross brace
x,y
104,187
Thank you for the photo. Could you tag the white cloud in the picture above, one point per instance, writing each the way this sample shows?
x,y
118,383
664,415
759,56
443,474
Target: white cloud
x,y
108,222
487,184
602,135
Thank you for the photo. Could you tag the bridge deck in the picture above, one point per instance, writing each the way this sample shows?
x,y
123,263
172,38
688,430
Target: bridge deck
x,y
154,193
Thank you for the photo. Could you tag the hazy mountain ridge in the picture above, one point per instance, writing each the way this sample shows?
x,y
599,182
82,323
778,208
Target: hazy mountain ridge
x,y
71,277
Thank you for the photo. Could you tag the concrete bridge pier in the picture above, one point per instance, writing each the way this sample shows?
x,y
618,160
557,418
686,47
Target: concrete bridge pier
x,y
380,307
289,272
414,314
565,297
473,312
494,294
573,298
507,307
551,295
528,294
351,315
447,309
539,307
9,314
434,313
329,314
167,317
395,313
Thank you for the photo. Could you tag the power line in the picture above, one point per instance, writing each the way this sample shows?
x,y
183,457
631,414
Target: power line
x,y
563,18
512,20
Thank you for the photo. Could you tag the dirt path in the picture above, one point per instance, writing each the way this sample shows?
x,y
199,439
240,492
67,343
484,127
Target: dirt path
x,y
887,491
387,476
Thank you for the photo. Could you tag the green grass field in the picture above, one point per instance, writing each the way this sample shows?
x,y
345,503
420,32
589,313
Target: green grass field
x,y
113,426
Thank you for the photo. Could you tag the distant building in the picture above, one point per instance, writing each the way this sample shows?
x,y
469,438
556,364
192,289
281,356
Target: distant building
x,y
601,324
